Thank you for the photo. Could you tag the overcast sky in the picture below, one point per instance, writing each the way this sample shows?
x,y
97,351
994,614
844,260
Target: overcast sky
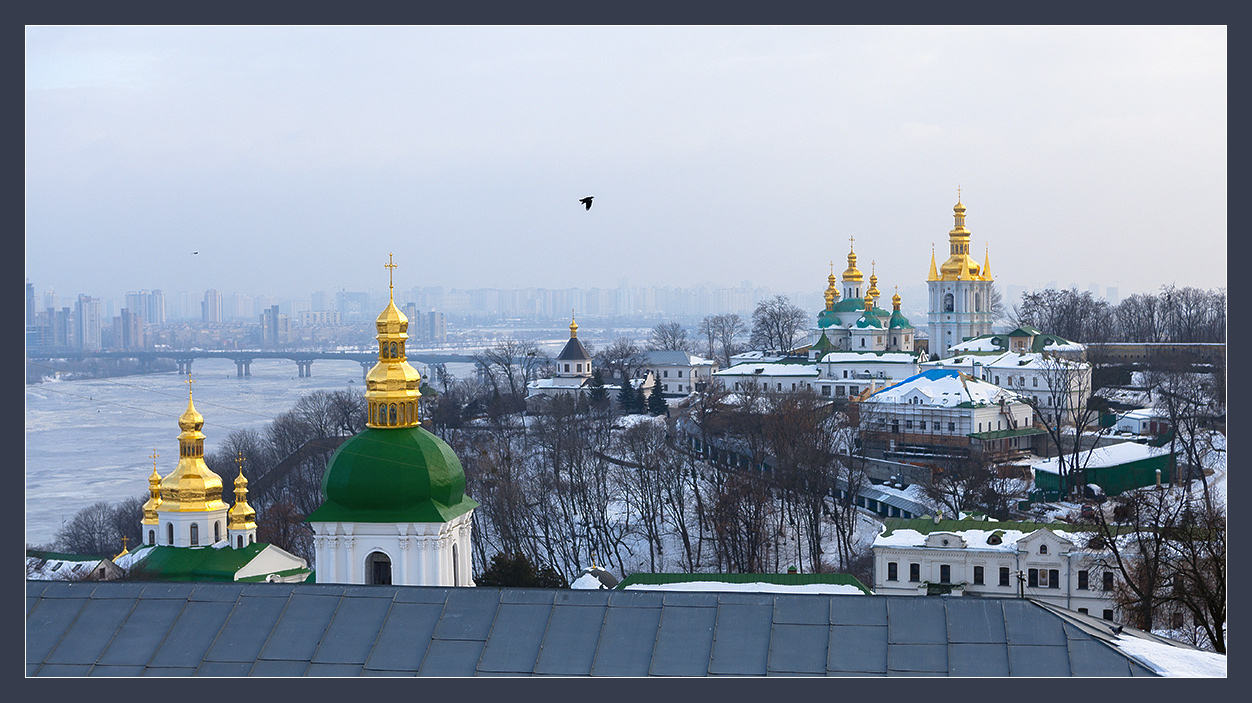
x,y
296,159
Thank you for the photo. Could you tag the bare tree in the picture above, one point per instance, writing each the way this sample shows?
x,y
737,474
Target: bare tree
x,y
776,323
722,333
622,358
669,336
510,364
1062,405
93,531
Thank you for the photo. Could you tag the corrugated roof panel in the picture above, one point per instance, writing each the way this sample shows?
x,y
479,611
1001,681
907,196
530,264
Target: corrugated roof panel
x,y
978,659
741,639
516,636
225,668
279,667
246,630
316,669
417,594
300,627
1039,660
352,632
91,632
684,640
932,658
569,646
798,649
221,592
64,670
142,633
628,638
1091,658
168,671
1027,623
537,596
173,591
103,670
690,599
636,599
975,620
404,637
857,610
47,623
468,614
451,658
801,610
914,620
68,589
857,648
192,634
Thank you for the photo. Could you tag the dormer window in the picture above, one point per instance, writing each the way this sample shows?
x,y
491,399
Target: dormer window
x,y
1043,549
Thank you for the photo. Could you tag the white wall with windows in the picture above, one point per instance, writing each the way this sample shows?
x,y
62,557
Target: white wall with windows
x,y
403,554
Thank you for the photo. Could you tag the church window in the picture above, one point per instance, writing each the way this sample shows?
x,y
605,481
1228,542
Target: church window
x,y
152,537
392,413
169,529
567,368
1043,549
195,535
862,341
845,373
456,568
393,351
251,539
378,569
947,303
1035,382
217,531
977,300
239,542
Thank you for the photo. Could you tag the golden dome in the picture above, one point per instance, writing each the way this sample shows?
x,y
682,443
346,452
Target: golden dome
x,y
895,301
241,516
192,486
391,386
573,325
869,302
852,273
154,495
959,266
873,281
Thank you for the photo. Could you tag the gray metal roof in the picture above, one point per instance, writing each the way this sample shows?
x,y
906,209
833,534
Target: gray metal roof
x,y
257,629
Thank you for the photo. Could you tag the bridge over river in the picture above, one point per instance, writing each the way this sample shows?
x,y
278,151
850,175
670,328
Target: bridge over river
x,y
243,358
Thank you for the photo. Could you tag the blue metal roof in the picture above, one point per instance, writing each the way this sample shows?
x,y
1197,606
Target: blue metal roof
x,y
259,629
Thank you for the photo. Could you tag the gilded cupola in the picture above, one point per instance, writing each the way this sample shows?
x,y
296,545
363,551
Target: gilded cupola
x,y
873,281
391,386
959,266
852,273
573,325
154,494
192,486
832,289
241,515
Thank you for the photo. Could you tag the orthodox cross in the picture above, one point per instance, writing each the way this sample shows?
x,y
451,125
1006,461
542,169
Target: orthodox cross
x,y
189,382
125,539
153,456
239,462
958,193
391,269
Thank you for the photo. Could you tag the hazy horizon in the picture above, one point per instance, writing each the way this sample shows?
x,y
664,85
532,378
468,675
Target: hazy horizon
x,y
294,159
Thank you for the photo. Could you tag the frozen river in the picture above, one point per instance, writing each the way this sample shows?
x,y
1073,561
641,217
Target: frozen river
x,y
88,441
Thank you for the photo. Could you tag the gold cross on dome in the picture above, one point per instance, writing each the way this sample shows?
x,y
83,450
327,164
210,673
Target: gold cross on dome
x,y
851,240
190,381
239,461
958,192
125,539
391,269
153,456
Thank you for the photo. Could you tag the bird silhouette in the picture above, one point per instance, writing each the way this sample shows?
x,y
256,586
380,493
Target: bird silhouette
x,y
587,201
195,252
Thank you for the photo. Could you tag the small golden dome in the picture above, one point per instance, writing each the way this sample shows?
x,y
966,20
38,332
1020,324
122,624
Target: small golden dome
x,y
573,325
191,420
895,301
869,302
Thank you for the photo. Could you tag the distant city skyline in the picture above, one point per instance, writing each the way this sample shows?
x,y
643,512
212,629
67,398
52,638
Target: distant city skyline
x,y
260,159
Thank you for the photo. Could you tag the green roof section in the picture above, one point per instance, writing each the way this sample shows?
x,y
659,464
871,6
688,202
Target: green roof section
x,y
899,321
60,556
823,344
403,474
928,525
649,579
192,563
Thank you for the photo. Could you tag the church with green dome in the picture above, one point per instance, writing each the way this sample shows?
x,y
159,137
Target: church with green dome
x,y
394,508
856,323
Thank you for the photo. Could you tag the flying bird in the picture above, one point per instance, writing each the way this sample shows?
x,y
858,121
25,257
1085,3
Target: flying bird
x,y
195,252
587,201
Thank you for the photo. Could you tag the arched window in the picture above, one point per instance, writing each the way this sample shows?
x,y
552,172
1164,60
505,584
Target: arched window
x,y
393,414
378,569
394,355
947,303
1043,549
152,537
169,528
251,539
977,299
195,535
239,542
217,532
456,570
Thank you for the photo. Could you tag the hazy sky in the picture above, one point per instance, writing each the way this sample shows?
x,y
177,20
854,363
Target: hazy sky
x,y
295,159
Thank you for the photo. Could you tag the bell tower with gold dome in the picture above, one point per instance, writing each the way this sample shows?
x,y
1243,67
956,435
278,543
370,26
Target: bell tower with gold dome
x,y
394,509
960,291
188,506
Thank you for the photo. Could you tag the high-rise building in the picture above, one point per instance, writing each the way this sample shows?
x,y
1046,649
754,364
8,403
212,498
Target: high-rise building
x,y
128,330
275,328
437,327
30,303
211,308
88,323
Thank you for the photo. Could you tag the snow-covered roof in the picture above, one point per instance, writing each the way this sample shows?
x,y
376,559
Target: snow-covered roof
x,y
1112,455
754,355
562,382
757,587
1168,659
1005,361
943,387
768,369
869,357
674,358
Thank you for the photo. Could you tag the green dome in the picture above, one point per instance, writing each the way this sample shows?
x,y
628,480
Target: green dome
x,y
826,318
402,474
899,321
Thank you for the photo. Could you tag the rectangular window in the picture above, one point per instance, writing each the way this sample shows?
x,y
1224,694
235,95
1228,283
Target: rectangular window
x,y
1054,578
1108,580
665,374
997,380
680,374
923,424
978,575
1004,575
1083,583
825,390
908,424
1035,381
1176,621
567,368
1083,611
1108,615
945,573
952,427
1032,578
893,571
915,572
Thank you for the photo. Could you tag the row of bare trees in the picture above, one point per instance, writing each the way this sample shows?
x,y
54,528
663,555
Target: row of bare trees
x,y
1172,315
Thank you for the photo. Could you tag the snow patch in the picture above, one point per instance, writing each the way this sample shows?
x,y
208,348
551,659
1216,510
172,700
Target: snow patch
x,y
1169,660
758,587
